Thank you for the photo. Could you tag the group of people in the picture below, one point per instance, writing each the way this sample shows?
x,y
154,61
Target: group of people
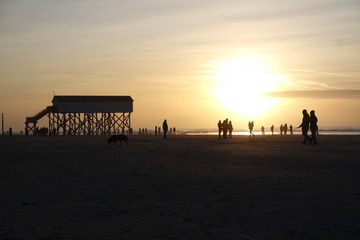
x,y
225,128
309,121
158,130
165,129
284,128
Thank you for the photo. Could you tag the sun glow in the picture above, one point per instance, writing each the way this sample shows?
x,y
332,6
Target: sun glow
x,y
240,83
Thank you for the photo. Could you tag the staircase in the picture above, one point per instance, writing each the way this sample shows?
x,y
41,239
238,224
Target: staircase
x,y
39,115
30,122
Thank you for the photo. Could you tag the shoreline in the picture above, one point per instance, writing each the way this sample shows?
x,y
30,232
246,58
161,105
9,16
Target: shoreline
x,y
215,133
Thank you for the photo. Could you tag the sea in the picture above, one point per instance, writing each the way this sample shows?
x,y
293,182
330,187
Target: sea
x,y
330,130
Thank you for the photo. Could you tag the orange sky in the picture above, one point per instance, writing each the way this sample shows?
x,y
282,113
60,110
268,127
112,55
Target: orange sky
x,y
191,62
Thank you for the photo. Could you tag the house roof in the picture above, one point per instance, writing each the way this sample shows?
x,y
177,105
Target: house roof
x,y
92,99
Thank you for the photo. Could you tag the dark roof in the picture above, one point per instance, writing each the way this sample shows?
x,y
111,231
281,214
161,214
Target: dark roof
x,y
92,99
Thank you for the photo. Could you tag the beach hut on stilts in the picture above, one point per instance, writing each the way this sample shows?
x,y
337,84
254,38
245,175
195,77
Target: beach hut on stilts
x,y
85,115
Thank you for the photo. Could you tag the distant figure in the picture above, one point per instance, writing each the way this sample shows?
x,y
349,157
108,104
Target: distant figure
x,y
10,131
165,128
225,128
272,129
139,131
174,130
219,128
159,130
285,129
305,126
281,129
251,127
230,129
156,130
313,127
262,130
291,130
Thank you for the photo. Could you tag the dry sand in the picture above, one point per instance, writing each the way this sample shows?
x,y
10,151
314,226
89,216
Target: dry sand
x,y
185,187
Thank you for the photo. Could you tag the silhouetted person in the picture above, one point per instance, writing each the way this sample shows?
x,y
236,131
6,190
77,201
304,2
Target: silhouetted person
x,y
291,130
272,129
262,130
165,128
155,130
230,129
285,129
219,128
305,126
174,130
251,127
10,131
313,127
225,128
281,129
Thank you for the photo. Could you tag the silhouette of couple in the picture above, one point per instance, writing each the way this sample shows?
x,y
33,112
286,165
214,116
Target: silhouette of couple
x,y
309,122
251,127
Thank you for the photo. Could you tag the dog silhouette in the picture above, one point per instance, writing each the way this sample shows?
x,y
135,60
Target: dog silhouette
x,y
115,138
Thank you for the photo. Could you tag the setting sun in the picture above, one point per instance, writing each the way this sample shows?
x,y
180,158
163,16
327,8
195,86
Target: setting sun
x,y
240,83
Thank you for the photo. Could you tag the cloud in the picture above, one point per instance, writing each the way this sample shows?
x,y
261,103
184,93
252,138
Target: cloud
x,y
329,94
317,72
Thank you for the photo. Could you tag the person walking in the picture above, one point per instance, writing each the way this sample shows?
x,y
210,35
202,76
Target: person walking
x,y
305,126
313,127
165,128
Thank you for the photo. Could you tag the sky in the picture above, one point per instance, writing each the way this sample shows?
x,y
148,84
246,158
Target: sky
x,y
193,62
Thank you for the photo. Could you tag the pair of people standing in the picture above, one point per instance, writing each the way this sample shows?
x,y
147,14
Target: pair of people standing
x,y
251,127
309,122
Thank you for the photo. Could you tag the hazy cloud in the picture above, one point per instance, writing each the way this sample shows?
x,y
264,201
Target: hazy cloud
x,y
330,94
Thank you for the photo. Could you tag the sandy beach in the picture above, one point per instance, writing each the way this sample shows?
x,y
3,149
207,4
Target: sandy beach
x,y
184,187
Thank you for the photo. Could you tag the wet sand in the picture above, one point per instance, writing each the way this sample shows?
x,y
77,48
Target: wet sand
x,y
185,187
